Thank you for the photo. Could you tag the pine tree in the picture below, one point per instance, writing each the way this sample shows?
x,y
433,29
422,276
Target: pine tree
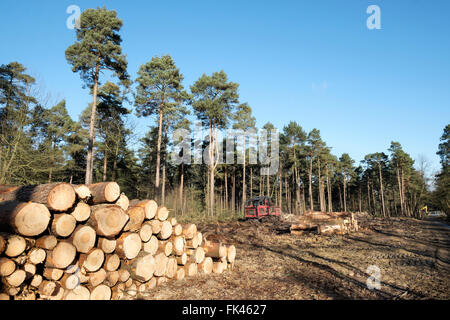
x,y
378,162
16,152
441,195
52,127
214,99
159,92
97,49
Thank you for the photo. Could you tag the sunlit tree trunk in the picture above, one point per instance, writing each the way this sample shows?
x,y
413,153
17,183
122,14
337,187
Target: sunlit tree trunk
x,y
90,152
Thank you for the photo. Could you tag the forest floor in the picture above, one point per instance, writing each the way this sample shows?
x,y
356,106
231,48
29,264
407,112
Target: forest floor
x,y
412,256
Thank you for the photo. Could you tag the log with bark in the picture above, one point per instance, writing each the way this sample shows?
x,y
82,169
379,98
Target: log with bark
x,y
56,196
53,274
142,267
162,214
82,191
166,230
81,212
63,224
123,202
93,260
107,245
108,220
104,192
7,266
128,245
46,242
24,218
61,256
214,249
206,266
189,230
15,245
150,207
151,246
137,216
146,232
83,238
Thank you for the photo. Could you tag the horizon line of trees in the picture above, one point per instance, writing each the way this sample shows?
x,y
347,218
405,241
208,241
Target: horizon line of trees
x,y
42,144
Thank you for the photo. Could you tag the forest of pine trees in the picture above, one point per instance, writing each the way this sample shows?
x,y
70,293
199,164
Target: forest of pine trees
x,y
41,143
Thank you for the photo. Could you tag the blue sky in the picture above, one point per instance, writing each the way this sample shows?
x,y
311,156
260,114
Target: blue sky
x,y
315,62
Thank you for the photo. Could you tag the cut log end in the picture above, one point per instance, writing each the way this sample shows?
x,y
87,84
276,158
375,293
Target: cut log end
x,y
101,292
61,197
27,219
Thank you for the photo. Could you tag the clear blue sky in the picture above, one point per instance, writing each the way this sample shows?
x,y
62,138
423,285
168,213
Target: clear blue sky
x,y
315,62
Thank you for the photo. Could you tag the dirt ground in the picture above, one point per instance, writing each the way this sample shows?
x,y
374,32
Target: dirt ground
x,y
412,257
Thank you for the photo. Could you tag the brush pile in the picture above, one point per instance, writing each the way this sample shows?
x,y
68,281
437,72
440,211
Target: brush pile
x,y
90,242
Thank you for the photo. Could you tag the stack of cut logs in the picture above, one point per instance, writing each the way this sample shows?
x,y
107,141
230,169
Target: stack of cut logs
x,y
77,242
324,223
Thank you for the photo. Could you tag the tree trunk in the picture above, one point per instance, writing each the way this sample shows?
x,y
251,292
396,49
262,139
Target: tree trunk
x,y
381,191
105,165
92,125
281,188
244,186
311,201
142,267
400,191
345,193
164,158
233,190
251,183
180,192
330,199
158,152
226,189
321,200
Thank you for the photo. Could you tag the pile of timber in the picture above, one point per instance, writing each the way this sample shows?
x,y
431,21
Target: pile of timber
x,y
325,223
90,242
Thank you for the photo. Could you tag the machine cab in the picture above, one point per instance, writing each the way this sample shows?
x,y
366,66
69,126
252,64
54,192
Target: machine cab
x,y
258,207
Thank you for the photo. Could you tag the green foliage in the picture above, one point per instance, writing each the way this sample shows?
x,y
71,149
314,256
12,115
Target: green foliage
x,y
98,46
214,99
441,194
160,88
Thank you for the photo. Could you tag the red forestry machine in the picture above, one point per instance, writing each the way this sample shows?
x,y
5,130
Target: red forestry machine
x,y
259,207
